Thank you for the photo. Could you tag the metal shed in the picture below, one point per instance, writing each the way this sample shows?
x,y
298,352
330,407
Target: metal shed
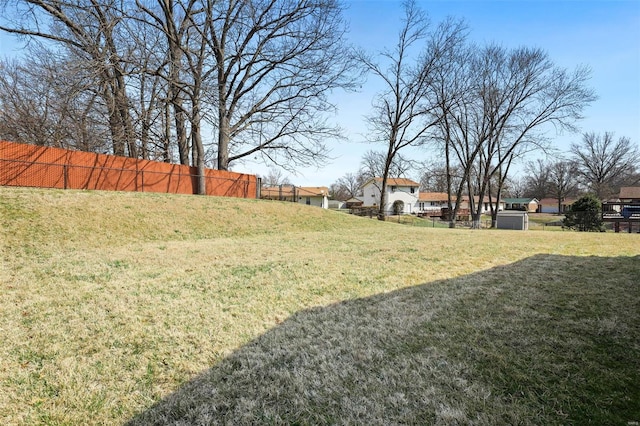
x,y
516,220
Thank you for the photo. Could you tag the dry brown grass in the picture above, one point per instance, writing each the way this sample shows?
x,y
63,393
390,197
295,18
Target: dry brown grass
x,y
114,301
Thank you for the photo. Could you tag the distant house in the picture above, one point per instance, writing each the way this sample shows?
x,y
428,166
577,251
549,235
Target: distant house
x,y
629,194
524,204
550,205
485,207
401,195
432,202
310,195
354,202
279,193
313,196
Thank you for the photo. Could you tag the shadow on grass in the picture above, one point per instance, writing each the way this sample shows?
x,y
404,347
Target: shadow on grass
x,y
546,340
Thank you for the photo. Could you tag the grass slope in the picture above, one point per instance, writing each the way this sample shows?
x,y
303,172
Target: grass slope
x,y
155,308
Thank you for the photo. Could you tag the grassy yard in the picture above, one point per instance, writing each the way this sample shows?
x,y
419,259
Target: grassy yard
x,y
152,309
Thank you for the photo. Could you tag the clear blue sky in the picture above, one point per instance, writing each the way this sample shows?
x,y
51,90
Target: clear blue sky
x,y
603,34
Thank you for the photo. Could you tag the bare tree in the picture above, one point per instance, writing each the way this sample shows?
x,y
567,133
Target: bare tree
x,y
515,187
88,30
435,176
605,164
562,180
402,112
512,99
522,94
275,177
347,186
44,101
275,63
373,165
537,180
455,133
258,73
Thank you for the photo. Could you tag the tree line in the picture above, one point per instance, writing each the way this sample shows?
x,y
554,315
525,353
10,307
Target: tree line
x,y
482,109
599,164
144,78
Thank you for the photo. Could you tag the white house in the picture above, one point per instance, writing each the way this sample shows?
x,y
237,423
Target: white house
x,y
313,196
432,202
550,205
401,195
485,206
310,195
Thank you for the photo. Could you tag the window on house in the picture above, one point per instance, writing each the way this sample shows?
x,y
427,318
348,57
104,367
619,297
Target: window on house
x,y
413,190
393,189
308,200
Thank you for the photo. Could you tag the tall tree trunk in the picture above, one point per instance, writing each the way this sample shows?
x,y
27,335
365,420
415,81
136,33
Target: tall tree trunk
x,y
115,127
166,153
450,209
199,156
223,140
176,98
385,174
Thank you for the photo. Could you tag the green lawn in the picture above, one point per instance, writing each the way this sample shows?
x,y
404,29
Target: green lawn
x,y
154,309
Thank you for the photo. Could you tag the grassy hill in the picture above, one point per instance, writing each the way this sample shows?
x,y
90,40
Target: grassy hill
x,y
153,308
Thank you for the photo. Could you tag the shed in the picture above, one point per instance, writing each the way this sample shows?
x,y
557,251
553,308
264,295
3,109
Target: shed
x,y
513,219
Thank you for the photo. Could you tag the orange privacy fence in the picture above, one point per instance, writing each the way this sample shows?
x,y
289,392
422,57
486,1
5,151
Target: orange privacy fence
x,y
46,167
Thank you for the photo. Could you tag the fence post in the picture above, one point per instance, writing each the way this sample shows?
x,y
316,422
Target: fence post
x,y
65,176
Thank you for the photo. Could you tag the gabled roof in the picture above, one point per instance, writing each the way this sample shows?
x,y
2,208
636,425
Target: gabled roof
x,y
312,191
393,182
629,192
519,200
290,190
554,201
433,196
476,199
277,191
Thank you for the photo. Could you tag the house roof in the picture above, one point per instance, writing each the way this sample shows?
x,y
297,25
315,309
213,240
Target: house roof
x,y
312,191
519,200
393,182
629,192
276,191
476,199
289,191
554,201
433,196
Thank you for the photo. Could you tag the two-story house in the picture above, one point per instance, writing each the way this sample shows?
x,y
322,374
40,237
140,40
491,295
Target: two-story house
x,y
401,195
